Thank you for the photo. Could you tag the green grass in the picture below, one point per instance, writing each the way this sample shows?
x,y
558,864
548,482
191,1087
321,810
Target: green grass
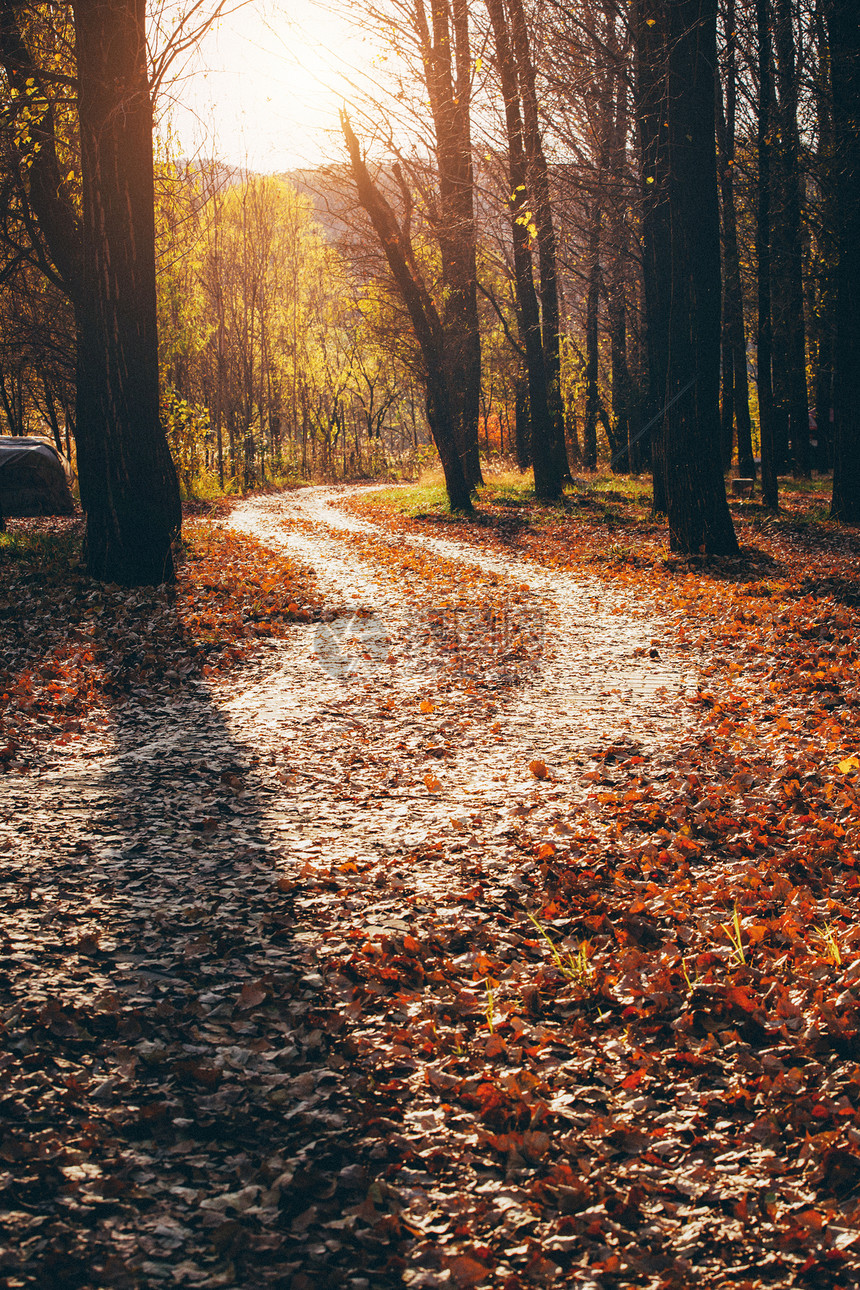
x,y
788,484
512,486
49,554
427,497
632,488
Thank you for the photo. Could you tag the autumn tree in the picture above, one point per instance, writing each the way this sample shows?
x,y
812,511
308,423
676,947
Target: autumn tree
x,y
539,193
586,71
764,336
105,256
790,390
430,91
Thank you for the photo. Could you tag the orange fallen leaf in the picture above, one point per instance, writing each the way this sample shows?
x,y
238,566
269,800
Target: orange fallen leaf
x,y
433,784
467,1271
426,706
495,1046
538,769
849,764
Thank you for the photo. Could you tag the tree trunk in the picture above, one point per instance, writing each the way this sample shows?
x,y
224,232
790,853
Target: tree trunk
x,y
107,263
652,130
844,35
790,265
687,267
448,72
538,187
621,388
522,431
592,355
823,307
727,392
127,475
548,477
618,269
764,345
733,304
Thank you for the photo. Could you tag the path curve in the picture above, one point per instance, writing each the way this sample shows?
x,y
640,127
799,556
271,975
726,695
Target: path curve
x,y
583,688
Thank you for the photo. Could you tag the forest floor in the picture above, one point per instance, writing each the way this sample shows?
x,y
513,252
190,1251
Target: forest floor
x,y
411,901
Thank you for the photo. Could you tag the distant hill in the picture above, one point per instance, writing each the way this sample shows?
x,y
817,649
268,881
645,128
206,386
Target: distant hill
x,y
333,198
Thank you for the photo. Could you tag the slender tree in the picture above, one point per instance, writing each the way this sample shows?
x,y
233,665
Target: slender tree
x,y
682,247
441,372
735,378
652,132
764,345
787,266
447,59
843,21
538,187
547,465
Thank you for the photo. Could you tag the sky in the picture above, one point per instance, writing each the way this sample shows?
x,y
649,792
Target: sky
x,y
264,87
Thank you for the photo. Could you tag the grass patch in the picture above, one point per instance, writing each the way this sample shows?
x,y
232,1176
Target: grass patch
x,y
626,488
424,499
51,551
788,484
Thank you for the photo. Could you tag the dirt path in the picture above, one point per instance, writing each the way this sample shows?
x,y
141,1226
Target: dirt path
x,y
578,685
184,1109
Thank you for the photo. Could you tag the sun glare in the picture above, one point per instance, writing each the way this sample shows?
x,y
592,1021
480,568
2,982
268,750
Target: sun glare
x,y
264,87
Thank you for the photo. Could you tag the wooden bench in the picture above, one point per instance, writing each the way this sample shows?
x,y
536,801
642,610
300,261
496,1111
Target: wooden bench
x,y
742,487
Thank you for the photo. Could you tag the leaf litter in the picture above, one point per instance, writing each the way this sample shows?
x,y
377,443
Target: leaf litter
x,y
581,1009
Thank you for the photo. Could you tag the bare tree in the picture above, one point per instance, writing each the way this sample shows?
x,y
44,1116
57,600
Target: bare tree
x,y
440,374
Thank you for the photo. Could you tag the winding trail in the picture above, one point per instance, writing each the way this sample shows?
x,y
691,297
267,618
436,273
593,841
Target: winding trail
x,y
582,685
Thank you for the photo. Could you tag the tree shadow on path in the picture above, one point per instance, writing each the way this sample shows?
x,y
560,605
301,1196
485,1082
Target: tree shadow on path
x,y
175,1109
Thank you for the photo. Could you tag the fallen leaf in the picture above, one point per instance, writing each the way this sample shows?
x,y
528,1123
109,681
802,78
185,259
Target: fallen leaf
x,y
252,995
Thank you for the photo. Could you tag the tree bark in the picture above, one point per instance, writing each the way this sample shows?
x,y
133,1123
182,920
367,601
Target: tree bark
x,y
618,274
789,265
522,428
132,495
764,342
448,70
822,311
844,36
686,275
592,354
652,131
